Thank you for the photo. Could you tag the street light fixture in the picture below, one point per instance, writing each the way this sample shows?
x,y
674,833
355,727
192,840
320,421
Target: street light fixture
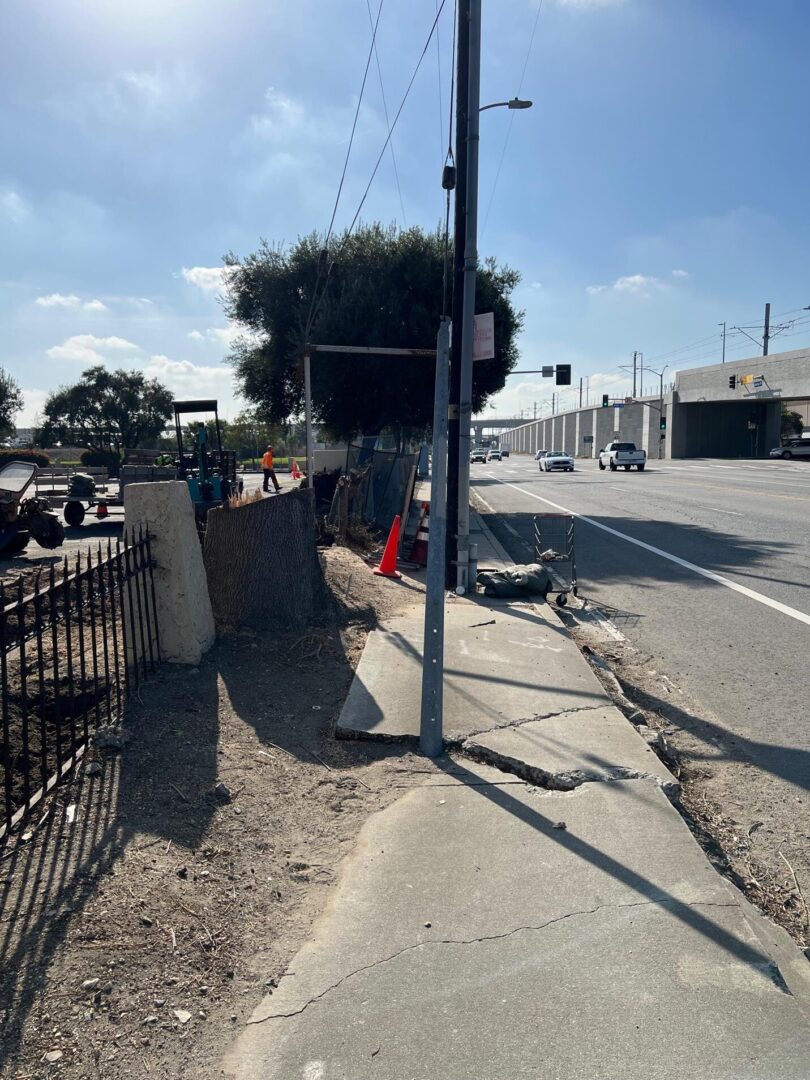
x,y
513,103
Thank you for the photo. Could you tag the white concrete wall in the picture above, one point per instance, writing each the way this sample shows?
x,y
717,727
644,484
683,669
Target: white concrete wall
x,y
184,616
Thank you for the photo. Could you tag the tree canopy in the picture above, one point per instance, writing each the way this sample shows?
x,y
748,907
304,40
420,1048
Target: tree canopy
x,y
385,289
107,410
11,401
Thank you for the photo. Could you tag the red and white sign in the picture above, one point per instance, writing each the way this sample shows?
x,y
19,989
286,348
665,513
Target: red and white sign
x,y
484,336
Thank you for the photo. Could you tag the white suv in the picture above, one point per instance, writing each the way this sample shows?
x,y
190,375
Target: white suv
x,y
790,448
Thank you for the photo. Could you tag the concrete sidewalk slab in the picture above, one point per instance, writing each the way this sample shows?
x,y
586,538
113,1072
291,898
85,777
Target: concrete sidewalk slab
x,y
503,932
504,663
572,748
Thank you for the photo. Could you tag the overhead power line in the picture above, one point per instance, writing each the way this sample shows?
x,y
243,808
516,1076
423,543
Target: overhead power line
x,y
385,110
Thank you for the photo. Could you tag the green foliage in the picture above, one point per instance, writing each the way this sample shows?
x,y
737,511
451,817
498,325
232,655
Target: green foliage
x,y
11,401
107,410
102,459
36,456
792,423
385,289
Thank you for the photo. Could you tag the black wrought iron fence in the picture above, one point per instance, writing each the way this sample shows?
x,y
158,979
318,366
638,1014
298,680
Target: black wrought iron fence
x,y
75,642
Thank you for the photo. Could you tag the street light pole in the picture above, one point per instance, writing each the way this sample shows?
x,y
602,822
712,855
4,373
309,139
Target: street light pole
x,y
724,342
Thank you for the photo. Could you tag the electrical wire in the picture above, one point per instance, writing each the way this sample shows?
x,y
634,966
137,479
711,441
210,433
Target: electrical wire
x,y
312,304
316,305
385,110
512,117
371,50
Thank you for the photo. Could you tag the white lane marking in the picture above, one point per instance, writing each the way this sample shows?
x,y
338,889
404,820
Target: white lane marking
x,y
717,510
799,616
484,501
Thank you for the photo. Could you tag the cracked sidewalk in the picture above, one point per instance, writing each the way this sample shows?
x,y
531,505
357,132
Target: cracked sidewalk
x,y
479,930
485,927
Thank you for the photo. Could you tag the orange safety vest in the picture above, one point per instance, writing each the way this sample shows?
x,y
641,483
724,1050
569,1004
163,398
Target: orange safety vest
x,y
267,460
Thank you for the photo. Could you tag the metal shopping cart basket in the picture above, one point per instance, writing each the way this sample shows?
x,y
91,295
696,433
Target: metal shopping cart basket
x,y
554,549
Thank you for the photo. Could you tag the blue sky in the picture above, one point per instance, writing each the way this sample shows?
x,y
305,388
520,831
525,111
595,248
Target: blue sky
x,y
658,186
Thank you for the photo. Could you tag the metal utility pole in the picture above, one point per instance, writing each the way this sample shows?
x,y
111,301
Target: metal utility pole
x,y
724,342
641,374
635,354
430,728
459,220
660,375
468,308
580,391
766,337
534,405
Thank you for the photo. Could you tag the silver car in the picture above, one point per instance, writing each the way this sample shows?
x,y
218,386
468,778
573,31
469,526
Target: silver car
x,y
556,461
790,448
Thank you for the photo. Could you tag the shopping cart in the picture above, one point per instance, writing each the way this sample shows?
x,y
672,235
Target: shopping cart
x,y
554,549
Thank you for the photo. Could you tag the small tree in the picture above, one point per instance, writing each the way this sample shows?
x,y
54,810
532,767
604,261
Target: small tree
x,y
107,411
792,423
11,401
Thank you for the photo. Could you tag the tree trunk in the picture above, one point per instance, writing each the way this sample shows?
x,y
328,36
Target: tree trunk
x,y
262,565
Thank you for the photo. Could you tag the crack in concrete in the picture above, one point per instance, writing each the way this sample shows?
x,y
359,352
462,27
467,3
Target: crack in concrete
x,y
660,901
564,780
510,725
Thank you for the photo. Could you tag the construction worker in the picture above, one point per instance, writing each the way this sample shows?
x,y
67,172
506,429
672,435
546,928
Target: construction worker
x,y
269,471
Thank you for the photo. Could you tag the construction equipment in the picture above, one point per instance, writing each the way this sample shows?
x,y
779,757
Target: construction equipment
x,y
21,518
210,474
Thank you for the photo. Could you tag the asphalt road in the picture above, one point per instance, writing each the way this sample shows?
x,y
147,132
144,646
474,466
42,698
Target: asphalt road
x,y
740,647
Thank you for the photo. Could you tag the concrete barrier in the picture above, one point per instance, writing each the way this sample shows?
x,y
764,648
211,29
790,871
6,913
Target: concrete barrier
x,y
184,615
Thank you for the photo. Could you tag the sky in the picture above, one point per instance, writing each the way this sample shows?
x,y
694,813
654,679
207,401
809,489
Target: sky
x,y
657,188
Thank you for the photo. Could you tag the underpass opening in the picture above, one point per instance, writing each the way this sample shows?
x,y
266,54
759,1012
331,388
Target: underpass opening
x,y
727,429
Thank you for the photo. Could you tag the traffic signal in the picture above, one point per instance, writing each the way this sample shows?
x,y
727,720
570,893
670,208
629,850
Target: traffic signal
x,y
605,401
662,424
563,375
732,382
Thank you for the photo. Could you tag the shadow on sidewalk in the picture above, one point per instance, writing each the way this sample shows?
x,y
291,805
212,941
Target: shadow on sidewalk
x,y
685,913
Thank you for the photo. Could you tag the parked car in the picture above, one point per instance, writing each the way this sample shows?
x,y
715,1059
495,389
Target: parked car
x,y
478,455
540,454
790,448
494,455
556,461
622,454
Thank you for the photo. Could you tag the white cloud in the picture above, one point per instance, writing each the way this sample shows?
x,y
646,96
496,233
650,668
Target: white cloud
x,y
137,99
186,379
680,273
14,206
536,285
195,335
221,335
638,284
208,278
60,300
84,348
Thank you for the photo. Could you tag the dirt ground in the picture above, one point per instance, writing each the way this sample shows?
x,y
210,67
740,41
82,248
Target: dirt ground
x,y
726,799
155,901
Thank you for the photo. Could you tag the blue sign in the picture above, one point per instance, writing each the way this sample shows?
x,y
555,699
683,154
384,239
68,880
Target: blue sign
x,y
758,383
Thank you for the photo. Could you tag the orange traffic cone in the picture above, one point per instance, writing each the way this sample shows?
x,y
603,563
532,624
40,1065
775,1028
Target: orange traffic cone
x,y
388,563
296,472
101,510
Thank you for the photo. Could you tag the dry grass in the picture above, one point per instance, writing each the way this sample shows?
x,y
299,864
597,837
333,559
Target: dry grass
x,y
244,498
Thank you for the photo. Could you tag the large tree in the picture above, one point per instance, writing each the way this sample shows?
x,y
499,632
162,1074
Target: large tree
x,y
378,286
107,410
11,401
